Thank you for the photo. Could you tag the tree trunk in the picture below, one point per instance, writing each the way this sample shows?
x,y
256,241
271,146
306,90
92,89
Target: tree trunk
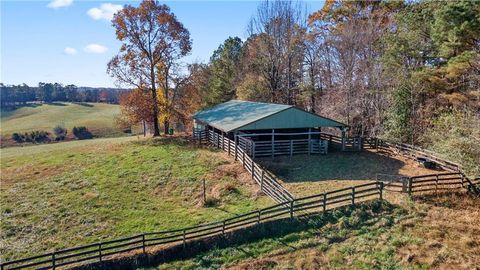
x,y
156,126
144,128
166,126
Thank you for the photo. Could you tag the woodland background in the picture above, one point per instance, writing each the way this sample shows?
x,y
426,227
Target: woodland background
x,y
407,71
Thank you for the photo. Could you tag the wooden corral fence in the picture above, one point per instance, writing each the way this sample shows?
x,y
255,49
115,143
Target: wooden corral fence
x,y
283,147
412,152
431,183
267,181
108,250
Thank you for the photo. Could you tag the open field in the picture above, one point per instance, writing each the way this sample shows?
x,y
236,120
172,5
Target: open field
x,y
305,175
79,192
99,118
433,233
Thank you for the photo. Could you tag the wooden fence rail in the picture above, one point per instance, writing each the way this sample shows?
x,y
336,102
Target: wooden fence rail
x,y
266,180
433,183
98,252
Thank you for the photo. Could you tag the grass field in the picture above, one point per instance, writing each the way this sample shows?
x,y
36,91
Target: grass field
x,y
439,232
99,118
305,175
62,195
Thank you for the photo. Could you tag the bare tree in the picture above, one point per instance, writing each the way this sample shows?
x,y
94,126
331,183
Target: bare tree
x,y
279,29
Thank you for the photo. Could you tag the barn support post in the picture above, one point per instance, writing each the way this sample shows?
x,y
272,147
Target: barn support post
x,y
235,136
309,140
228,141
291,147
253,148
273,143
223,140
344,138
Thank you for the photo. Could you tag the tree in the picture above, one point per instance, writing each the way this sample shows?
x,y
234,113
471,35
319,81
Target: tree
x,y
44,92
136,107
153,40
278,31
71,92
224,70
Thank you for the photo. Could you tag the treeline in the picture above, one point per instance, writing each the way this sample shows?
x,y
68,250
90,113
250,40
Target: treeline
x,y
19,95
407,71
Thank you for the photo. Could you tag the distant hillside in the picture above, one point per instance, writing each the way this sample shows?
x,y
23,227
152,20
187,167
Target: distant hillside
x,y
99,118
21,95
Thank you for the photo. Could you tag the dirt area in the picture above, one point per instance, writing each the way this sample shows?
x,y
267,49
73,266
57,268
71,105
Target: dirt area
x,y
306,175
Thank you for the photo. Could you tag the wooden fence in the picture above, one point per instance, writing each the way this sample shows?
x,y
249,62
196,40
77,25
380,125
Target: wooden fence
x,y
413,152
139,243
283,147
433,183
267,181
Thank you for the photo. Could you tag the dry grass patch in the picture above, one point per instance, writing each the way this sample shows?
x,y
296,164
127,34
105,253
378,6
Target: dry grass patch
x,y
450,232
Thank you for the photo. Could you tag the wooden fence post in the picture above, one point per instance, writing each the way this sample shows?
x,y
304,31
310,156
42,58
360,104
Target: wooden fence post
x,y
291,209
436,184
143,243
229,146
53,260
410,185
381,190
259,216
184,239
261,180
324,202
353,195
253,169
243,159
204,191
100,251
223,227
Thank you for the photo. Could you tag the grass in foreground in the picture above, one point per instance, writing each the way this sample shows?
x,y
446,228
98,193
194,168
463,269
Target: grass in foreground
x,y
64,195
305,175
439,232
304,238
99,118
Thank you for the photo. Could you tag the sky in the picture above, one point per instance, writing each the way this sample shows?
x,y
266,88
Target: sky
x,y
71,41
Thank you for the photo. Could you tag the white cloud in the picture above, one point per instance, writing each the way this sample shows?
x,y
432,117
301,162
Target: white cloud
x,y
59,3
70,51
105,11
95,48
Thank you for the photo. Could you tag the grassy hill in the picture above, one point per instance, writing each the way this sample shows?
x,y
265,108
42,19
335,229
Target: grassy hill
x,y
99,118
62,195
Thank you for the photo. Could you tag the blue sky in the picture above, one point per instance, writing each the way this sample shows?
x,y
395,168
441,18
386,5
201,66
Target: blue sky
x,y
71,41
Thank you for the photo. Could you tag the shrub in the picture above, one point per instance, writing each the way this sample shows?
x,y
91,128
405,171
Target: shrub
x,y
60,133
82,133
33,137
37,136
19,138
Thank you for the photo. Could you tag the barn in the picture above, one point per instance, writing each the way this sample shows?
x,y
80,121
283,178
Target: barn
x,y
268,129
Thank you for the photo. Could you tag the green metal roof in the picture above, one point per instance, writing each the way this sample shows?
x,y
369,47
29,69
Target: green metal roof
x,y
246,115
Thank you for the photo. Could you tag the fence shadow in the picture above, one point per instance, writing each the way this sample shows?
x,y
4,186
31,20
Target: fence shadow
x,y
368,211
333,166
